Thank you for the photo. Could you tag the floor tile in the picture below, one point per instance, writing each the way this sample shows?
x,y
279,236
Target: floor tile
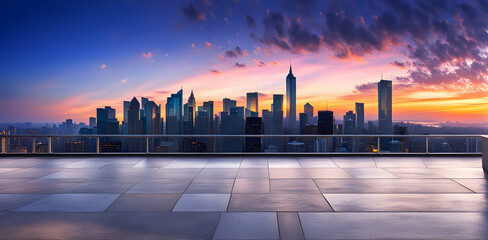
x,y
30,173
210,185
218,173
461,172
144,202
369,173
278,202
102,186
283,163
392,185
43,186
247,225
71,203
394,225
222,163
251,186
477,185
253,173
160,186
182,163
414,172
394,162
288,173
408,202
293,186
87,164
152,163
10,202
323,162
327,173
108,225
452,162
254,162
354,162
202,203
290,227
175,173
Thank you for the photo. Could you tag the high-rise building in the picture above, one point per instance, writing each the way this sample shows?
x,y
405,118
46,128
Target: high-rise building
x,y
227,104
152,118
191,104
359,118
252,102
102,119
174,112
143,103
291,104
126,111
349,123
110,112
92,122
134,124
254,126
308,109
325,124
385,107
303,119
277,114
209,107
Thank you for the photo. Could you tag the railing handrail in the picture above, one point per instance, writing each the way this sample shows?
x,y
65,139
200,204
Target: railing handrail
x,y
245,135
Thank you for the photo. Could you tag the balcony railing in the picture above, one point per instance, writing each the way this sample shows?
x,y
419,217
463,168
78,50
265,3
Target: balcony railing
x,y
241,144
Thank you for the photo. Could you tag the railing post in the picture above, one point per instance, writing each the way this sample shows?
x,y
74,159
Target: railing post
x,y
427,145
49,145
467,144
378,145
484,152
33,145
147,145
98,144
4,146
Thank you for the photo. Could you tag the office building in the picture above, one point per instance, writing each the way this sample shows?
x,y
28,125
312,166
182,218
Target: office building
x,y
385,107
291,105
359,118
252,102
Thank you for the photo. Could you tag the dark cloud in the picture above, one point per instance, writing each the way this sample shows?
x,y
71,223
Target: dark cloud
x,y
240,65
366,87
445,41
259,63
236,52
193,13
250,21
400,64
215,71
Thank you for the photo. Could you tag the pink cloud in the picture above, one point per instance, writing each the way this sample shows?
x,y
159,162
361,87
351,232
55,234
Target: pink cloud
x,y
103,66
208,45
147,55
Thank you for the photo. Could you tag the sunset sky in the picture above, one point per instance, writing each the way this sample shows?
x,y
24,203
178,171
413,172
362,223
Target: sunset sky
x,y
63,59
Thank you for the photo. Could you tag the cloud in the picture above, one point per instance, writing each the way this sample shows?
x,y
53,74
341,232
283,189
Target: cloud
x,y
221,58
400,64
193,45
259,63
236,52
123,80
147,55
226,20
103,66
193,13
240,65
250,21
208,45
267,51
215,71
274,63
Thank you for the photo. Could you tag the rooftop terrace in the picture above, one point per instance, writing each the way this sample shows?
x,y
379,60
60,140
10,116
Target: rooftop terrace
x,y
163,197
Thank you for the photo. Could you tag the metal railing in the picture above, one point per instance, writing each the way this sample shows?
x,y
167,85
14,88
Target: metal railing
x,y
248,144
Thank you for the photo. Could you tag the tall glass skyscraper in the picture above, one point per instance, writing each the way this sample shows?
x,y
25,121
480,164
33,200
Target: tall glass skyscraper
x,y
291,102
359,118
174,112
384,107
252,102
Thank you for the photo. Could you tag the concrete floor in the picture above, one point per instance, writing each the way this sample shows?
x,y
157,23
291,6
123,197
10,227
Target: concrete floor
x,y
243,198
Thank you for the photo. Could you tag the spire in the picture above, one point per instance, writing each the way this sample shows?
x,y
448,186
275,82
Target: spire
x,y
290,68
191,94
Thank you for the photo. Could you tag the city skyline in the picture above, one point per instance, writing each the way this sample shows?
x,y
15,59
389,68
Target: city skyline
x,y
67,65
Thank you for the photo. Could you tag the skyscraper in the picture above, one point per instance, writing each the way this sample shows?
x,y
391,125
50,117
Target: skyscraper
x,y
106,121
325,122
349,124
277,114
303,119
153,118
193,104
174,112
92,122
254,126
209,107
252,102
308,109
126,111
359,118
134,125
227,104
291,104
385,107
